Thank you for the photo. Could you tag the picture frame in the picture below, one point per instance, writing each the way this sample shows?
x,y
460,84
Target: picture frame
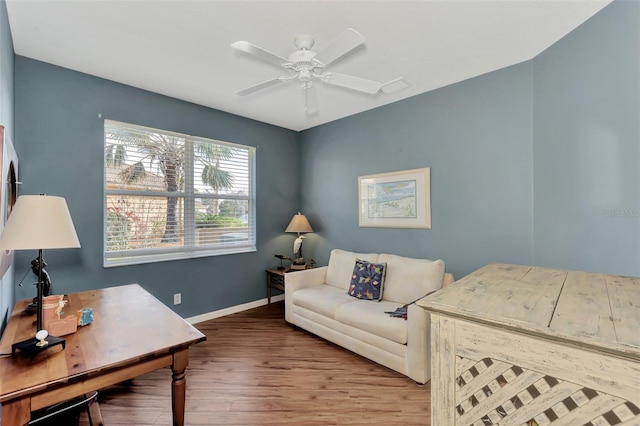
x,y
399,199
8,191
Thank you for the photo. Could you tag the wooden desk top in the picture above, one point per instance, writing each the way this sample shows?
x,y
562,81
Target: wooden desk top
x,y
130,325
596,310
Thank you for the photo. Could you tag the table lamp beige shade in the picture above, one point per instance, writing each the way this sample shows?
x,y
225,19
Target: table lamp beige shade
x,y
298,224
39,222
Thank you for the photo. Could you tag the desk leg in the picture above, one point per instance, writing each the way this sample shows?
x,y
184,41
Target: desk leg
x,y
96,414
179,386
16,413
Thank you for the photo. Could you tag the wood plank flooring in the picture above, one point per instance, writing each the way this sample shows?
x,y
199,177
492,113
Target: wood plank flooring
x,y
256,369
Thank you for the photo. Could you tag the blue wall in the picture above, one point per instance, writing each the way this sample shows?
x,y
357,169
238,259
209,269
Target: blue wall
x,y
532,164
6,119
587,146
475,136
61,150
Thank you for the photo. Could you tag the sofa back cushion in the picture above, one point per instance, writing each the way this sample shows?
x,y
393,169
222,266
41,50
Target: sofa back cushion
x,y
408,279
340,267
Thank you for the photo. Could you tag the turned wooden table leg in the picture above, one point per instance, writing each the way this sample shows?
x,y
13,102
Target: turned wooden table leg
x,y
96,414
179,386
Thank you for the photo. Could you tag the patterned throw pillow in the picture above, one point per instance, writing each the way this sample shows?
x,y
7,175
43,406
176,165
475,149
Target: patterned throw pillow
x,y
367,280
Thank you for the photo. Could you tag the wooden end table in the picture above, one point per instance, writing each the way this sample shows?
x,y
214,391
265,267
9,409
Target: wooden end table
x,y
275,279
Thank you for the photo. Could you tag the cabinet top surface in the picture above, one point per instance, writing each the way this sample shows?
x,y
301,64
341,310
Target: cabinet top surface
x,y
588,308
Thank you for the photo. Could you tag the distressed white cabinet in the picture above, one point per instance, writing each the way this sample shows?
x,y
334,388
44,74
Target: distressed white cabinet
x,y
522,345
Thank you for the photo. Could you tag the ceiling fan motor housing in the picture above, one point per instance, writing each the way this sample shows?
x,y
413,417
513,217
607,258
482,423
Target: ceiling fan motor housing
x,y
303,64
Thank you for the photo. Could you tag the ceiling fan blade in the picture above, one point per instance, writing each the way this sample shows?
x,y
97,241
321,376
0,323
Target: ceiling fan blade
x,y
259,86
351,82
394,85
259,52
343,44
310,99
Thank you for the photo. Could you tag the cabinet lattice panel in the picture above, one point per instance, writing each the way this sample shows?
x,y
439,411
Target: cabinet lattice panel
x,y
492,392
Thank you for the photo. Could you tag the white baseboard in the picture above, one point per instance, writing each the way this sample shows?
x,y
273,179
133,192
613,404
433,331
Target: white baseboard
x,y
232,310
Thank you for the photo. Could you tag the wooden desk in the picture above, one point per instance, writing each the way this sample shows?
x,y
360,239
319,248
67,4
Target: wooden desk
x,y
515,345
132,334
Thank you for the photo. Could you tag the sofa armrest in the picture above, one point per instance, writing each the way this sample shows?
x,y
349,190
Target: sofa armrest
x,y
301,279
448,279
418,343
419,338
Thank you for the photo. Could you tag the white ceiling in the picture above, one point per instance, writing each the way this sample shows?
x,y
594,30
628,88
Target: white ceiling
x,y
182,48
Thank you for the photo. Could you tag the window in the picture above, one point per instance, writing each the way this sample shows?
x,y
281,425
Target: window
x,y
172,196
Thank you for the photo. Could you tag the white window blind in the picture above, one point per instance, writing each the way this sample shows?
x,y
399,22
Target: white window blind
x,y
173,196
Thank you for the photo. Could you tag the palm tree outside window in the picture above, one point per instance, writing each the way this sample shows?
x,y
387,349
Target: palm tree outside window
x,y
174,196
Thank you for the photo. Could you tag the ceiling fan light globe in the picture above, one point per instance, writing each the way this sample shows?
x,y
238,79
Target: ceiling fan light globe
x,y
305,75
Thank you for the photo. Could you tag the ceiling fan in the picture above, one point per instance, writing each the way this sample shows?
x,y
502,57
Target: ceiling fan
x,y
308,66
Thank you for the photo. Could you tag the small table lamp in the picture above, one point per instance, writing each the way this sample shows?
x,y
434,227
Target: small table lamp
x,y
298,224
39,222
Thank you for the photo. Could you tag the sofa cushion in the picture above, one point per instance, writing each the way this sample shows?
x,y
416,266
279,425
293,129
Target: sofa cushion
x,y
341,264
340,333
408,279
371,317
323,299
367,280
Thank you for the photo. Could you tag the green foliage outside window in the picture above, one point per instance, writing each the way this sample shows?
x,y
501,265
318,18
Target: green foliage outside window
x,y
118,230
206,220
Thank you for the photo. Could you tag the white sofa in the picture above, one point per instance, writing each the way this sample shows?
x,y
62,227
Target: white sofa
x,y
317,301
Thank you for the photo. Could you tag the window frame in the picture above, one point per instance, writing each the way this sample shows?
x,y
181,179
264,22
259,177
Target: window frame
x,y
115,258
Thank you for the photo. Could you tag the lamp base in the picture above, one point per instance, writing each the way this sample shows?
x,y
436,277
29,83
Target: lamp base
x,y
31,308
32,346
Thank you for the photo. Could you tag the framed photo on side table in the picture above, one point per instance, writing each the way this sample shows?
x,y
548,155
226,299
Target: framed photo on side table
x,y
396,199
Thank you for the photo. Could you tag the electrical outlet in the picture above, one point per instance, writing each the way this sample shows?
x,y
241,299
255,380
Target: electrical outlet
x,y
177,298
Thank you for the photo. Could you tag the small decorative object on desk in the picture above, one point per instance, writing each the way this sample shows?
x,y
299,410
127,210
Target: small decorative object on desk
x,y
52,312
41,337
37,344
61,303
85,316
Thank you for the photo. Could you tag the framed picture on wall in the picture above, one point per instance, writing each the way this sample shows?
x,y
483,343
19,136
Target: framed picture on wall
x,y
396,199
8,191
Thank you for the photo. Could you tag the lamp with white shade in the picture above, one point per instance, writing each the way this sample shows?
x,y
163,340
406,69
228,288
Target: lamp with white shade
x,y
39,222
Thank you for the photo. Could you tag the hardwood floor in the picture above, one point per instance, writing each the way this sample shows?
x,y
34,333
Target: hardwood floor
x,y
256,369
